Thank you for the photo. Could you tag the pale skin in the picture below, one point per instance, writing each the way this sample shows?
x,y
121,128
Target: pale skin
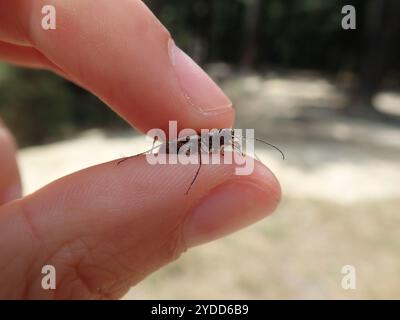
x,y
107,227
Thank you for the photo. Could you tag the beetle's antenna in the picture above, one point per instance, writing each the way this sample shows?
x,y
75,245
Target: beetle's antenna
x,y
271,145
267,143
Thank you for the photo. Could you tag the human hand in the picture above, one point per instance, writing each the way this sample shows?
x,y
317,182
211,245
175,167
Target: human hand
x,y
107,227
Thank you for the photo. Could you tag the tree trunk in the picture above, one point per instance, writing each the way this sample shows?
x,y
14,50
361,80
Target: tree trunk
x,y
381,33
155,6
252,20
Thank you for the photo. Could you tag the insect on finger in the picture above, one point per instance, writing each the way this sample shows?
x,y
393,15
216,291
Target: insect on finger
x,y
185,145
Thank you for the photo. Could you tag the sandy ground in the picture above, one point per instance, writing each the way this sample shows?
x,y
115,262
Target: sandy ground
x,y
341,198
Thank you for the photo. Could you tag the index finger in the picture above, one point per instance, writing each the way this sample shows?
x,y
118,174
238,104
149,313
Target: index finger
x,y
120,52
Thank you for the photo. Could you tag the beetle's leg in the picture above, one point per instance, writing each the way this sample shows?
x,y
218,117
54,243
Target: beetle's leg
x,y
204,147
154,142
139,154
195,176
122,160
238,147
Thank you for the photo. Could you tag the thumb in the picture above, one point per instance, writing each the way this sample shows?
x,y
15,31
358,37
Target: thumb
x,y
10,184
107,227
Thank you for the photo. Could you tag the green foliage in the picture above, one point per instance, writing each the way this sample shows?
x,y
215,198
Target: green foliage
x,y
41,107
301,34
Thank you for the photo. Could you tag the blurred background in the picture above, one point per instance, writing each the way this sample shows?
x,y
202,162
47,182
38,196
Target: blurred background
x,y
329,97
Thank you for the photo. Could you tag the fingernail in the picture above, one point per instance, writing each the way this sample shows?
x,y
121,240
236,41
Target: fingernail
x,y
197,87
227,208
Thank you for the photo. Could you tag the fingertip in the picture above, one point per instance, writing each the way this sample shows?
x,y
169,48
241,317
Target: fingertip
x,y
263,175
232,205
